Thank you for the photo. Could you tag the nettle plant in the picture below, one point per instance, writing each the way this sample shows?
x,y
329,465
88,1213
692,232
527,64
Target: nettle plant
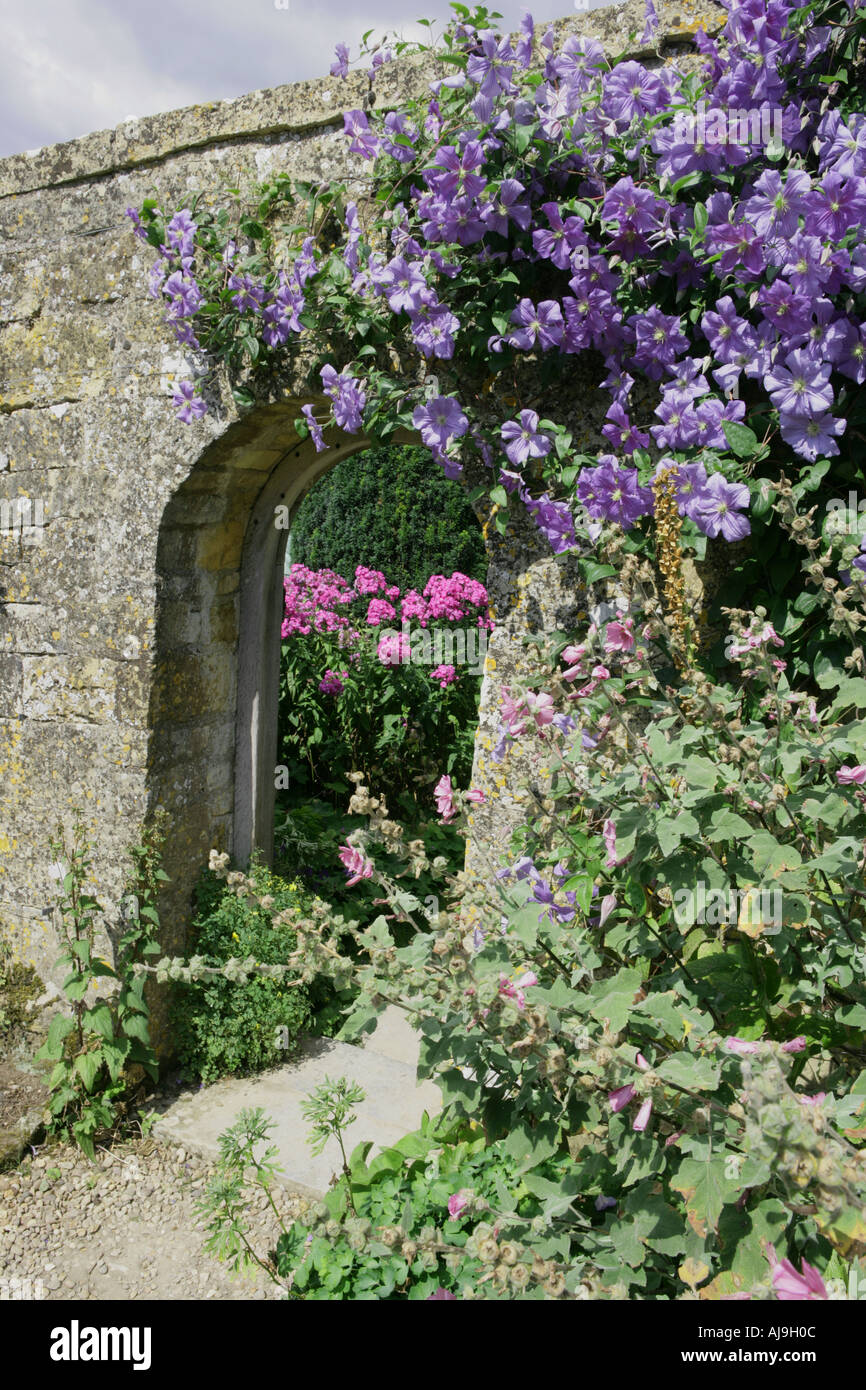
x,y
101,1046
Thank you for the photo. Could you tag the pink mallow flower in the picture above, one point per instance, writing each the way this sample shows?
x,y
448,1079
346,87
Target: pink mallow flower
x,y
643,1115
513,989
475,796
513,714
609,837
573,656
457,1201
355,864
540,706
618,637
846,775
791,1287
740,1045
444,794
621,1097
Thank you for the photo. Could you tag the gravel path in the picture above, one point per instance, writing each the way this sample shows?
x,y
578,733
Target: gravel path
x,y
120,1228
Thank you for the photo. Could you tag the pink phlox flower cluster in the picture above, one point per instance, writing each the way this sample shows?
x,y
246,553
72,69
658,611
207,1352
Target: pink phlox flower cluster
x,y
369,581
379,611
393,650
413,606
445,675
312,598
453,598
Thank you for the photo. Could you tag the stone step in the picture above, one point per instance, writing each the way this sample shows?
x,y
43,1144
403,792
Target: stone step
x,y
393,1107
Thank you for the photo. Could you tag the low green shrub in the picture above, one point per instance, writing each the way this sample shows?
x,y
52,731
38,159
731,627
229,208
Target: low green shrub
x,y
221,1026
439,1213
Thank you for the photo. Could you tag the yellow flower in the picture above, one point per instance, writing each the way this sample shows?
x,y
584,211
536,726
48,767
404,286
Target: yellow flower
x,y
235,936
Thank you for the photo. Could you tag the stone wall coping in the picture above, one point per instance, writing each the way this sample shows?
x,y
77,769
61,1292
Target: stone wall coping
x,y
301,107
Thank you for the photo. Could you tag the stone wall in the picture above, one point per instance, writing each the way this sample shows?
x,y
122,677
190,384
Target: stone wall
x,y
139,625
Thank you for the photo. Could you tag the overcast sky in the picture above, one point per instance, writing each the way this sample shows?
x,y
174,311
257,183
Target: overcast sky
x,y
68,67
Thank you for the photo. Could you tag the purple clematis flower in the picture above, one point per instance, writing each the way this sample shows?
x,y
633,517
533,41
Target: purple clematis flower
x,y
612,493
506,207
622,434
812,438
348,399
340,68
801,387
632,92
314,427
718,510
439,420
542,325
524,441
188,405
491,69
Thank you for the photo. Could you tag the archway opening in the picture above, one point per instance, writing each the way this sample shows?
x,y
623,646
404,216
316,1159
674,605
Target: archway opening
x,y
384,645
214,753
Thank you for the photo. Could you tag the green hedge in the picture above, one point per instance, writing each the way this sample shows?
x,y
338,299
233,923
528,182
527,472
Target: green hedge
x,y
391,510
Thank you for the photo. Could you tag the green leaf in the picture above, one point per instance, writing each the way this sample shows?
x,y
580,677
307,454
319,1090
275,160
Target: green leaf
x,y
99,1020
114,1054
657,1224
690,1069
743,441
704,1189
533,1142
613,999
135,1026
88,1065
75,986
676,827
58,1030
524,924
852,695
592,571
